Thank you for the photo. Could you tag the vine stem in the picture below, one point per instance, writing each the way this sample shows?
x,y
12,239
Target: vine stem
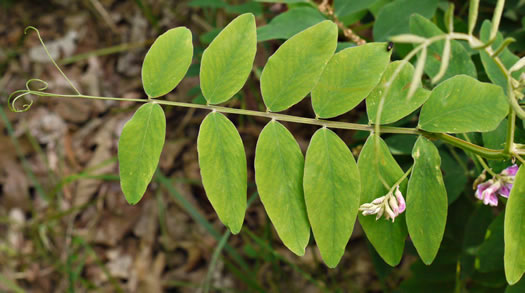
x,y
452,140
511,125
398,182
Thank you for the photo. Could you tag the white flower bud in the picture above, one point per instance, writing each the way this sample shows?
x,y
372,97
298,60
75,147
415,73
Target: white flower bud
x,y
393,204
378,200
390,213
380,212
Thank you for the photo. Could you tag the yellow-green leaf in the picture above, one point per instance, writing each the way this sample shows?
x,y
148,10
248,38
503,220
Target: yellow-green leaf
x,y
139,149
426,204
396,104
227,62
463,104
331,190
223,169
167,61
348,78
279,168
294,69
514,230
387,238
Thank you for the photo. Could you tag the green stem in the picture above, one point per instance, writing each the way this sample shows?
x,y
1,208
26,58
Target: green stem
x,y
398,182
511,126
476,149
452,140
485,166
269,115
51,58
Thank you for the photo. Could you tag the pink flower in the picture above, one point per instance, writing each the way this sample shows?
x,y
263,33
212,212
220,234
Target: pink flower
x,y
487,192
510,171
501,185
389,205
400,201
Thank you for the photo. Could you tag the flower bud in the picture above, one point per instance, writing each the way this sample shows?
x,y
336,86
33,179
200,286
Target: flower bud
x,y
400,200
378,200
393,204
389,213
380,212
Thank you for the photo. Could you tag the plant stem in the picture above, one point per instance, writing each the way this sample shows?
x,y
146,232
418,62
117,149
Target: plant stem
x,y
476,149
485,166
398,182
452,140
511,126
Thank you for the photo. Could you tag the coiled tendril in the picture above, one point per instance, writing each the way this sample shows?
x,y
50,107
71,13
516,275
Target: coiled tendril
x,y
18,94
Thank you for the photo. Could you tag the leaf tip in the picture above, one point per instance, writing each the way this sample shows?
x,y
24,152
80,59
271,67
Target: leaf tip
x,y
234,229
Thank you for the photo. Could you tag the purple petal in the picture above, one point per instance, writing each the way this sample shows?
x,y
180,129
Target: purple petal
x,y
481,188
505,190
492,200
400,201
510,171
488,192
490,196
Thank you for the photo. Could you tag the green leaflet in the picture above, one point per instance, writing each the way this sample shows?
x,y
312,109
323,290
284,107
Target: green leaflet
x,y
507,58
463,104
387,238
426,212
459,63
344,7
455,178
516,288
396,105
393,18
279,168
167,61
283,1
331,191
207,3
348,78
289,23
228,61
294,69
490,252
514,230
223,169
139,149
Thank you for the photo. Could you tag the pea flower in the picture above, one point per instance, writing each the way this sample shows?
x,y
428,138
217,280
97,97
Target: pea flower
x,y
500,184
390,205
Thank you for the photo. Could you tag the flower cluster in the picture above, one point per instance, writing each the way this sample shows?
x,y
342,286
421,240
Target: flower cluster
x,y
500,184
391,205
